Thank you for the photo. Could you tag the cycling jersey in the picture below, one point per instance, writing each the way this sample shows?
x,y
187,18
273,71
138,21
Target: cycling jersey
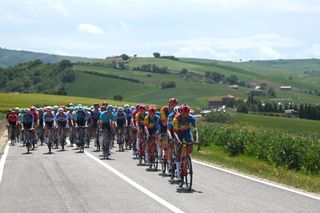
x,y
140,118
151,123
12,119
128,113
164,113
95,114
27,120
80,118
40,115
181,125
170,120
106,117
133,116
61,119
121,119
48,119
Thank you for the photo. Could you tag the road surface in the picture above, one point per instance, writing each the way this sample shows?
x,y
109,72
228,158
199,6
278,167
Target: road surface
x,y
81,182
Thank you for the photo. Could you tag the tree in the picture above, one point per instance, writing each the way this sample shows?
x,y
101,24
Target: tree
x,y
156,55
271,92
118,98
124,57
64,64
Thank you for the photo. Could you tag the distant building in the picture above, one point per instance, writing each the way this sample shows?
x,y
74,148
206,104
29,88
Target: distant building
x,y
225,101
286,88
256,92
234,86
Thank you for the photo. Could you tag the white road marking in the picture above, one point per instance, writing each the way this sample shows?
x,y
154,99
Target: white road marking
x,y
257,180
3,160
135,184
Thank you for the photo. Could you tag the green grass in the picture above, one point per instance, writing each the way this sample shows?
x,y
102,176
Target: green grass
x,y
8,100
293,125
253,166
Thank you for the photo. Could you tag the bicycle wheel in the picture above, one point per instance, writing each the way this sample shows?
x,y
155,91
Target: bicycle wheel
x,y
189,173
183,171
49,147
164,165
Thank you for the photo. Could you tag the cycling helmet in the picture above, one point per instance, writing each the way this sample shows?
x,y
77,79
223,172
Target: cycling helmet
x,y
55,108
152,109
33,108
184,109
26,110
142,107
120,109
71,108
126,106
60,110
137,106
48,108
80,107
173,101
105,103
176,109
21,110
70,105
110,108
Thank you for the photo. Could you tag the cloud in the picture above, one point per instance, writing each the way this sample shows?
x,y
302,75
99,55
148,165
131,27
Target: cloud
x,y
59,8
89,28
124,26
313,51
270,53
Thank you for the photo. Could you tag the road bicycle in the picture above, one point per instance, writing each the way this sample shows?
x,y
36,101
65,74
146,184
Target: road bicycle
x,y
50,138
164,140
81,137
106,138
13,134
127,139
186,173
153,156
61,136
29,139
121,139
141,153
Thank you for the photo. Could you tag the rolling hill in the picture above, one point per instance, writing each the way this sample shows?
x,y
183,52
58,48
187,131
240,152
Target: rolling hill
x,y
13,57
142,79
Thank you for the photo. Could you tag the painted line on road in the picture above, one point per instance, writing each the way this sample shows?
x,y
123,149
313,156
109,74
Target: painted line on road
x,y
257,180
135,184
3,160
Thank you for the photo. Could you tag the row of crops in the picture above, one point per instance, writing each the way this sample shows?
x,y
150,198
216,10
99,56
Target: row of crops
x,y
297,152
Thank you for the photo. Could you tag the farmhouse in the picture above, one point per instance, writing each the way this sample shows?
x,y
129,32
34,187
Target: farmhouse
x,y
286,88
226,100
234,86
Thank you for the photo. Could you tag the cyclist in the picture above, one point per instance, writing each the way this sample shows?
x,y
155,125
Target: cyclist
x,y
61,122
134,129
70,123
49,122
122,123
128,112
34,113
105,122
28,123
94,117
162,124
182,131
40,125
12,123
150,128
139,119
168,147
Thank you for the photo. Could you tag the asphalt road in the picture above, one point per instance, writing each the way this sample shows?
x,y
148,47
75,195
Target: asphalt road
x,y
81,182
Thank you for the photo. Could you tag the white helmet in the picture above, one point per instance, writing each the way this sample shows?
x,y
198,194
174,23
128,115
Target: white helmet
x,y
176,109
60,110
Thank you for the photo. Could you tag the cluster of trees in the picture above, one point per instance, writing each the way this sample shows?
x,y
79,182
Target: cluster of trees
x,y
152,68
309,111
214,77
114,76
170,57
35,76
168,84
306,111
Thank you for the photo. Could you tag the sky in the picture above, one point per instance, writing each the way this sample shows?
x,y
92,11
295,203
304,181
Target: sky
x,y
233,30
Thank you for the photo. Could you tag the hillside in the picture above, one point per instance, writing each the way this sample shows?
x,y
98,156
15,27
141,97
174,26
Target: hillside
x,y
193,81
13,57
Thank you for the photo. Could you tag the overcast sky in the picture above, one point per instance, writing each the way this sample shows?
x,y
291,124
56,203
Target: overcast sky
x,y
213,29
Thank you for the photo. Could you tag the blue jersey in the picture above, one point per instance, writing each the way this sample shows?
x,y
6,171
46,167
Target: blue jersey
x,y
48,118
27,118
61,117
106,117
170,120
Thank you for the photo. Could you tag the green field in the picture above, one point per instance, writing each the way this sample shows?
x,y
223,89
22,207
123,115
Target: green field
x,y
293,125
197,93
8,100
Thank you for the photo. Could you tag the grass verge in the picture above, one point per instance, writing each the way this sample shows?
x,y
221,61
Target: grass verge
x,y
253,166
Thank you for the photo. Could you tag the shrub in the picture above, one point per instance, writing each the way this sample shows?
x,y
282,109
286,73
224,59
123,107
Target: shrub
x,y
219,117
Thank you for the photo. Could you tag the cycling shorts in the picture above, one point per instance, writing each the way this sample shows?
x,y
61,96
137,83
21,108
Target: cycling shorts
x,y
49,124
62,124
185,135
